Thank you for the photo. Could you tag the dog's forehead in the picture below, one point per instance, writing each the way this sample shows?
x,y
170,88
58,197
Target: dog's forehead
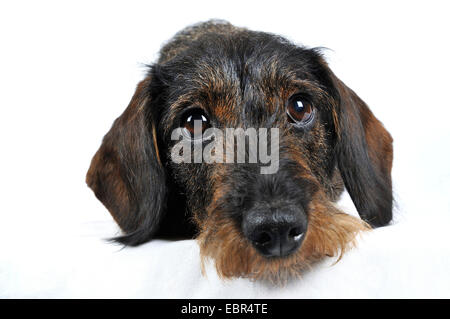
x,y
263,62
246,72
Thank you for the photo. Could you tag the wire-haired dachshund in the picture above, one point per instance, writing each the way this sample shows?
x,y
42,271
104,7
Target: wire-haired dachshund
x,y
253,224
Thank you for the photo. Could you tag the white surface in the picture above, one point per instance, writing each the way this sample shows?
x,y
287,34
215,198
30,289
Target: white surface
x,y
69,69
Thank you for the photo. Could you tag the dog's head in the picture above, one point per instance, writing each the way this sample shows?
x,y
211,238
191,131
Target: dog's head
x,y
262,215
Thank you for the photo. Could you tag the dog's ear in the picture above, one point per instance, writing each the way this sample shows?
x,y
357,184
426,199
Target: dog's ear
x,y
364,154
126,173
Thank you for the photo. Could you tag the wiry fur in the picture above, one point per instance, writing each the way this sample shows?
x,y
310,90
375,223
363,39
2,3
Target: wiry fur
x,y
240,79
330,233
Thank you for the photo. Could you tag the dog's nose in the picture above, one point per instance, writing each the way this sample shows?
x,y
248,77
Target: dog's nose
x,y
275,234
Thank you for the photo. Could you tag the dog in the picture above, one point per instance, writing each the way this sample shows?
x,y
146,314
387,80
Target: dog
x,y
259,226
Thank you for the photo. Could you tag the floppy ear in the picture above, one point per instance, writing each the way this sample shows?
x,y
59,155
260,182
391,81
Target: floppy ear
x,y
126,173
364,154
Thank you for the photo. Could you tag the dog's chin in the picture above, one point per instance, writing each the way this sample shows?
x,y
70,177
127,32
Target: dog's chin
x,y
330,234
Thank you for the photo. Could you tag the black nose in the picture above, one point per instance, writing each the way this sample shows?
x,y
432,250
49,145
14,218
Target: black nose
x,y
275,233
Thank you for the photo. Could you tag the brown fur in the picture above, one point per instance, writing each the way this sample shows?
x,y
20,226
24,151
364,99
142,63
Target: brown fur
x,y
106,176
247,82
330,233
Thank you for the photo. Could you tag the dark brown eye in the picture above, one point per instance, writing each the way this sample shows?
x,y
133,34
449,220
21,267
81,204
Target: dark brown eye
x,y
193,119
300,110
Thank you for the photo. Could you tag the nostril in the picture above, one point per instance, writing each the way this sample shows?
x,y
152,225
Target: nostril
x,y
262,238
296,233
274,233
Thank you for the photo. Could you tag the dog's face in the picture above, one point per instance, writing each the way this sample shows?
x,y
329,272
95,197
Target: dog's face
x,y
215,77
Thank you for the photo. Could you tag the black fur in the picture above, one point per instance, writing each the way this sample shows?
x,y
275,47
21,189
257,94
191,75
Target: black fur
x,y
245,69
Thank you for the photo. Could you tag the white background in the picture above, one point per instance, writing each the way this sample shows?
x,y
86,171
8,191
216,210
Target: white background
x,y
68,69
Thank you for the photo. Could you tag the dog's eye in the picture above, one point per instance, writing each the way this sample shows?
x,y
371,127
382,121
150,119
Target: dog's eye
x,y
299,110
195,118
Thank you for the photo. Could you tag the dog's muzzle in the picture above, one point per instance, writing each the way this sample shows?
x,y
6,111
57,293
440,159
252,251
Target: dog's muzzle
x,y
275,232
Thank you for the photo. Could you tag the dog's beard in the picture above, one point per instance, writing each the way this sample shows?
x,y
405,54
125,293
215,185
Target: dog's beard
x,y
330,233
